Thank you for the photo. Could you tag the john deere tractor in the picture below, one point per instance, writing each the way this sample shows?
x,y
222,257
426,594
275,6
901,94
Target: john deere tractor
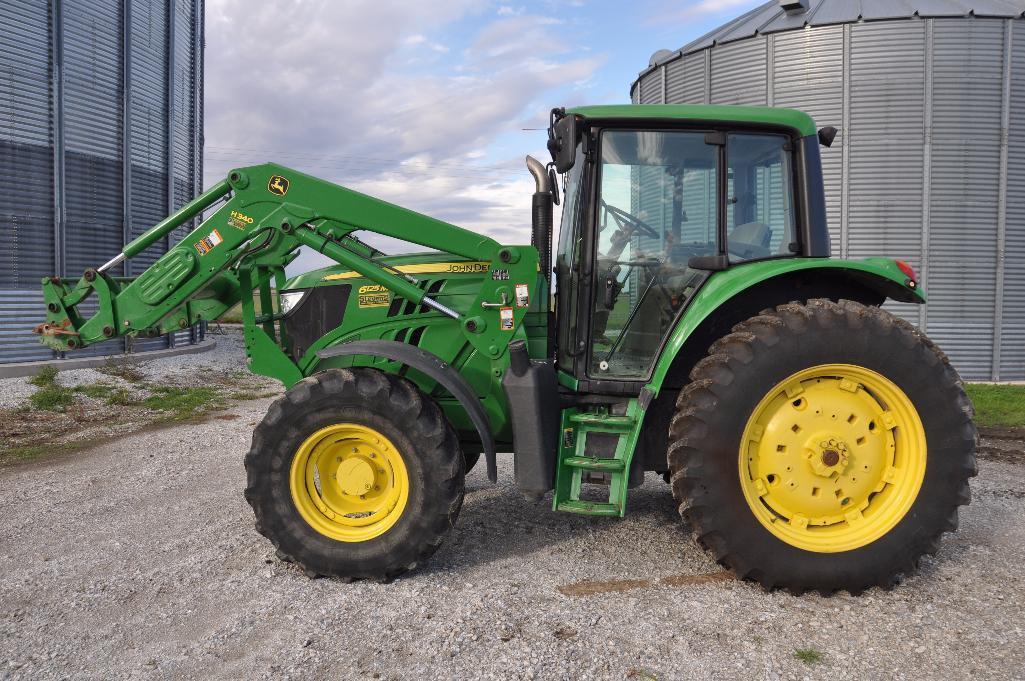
x,y
692,324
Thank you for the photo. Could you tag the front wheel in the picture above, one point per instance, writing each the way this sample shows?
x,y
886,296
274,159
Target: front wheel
x,y
822,446
355,473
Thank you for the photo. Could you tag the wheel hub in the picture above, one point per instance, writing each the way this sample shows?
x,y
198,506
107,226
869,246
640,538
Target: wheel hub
x,y
355,477
349,482
828,456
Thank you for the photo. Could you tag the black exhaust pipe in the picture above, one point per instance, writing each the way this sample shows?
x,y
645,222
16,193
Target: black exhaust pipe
x,y
541,216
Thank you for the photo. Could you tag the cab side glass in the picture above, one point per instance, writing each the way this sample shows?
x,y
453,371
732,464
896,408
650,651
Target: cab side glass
x,y
759,197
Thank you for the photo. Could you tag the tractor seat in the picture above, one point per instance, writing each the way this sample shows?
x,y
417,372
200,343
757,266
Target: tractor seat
x,y
751,240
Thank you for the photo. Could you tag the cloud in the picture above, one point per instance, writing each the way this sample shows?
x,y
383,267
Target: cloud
x,y
340,90
672,11
323,87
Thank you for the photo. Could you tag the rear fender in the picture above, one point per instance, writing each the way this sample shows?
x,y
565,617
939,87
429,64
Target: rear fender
x,y
736,294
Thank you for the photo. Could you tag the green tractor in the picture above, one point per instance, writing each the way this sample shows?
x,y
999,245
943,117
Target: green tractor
x,y
695,326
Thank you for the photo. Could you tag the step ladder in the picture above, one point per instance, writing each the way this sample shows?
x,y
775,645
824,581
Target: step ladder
x,y
574,463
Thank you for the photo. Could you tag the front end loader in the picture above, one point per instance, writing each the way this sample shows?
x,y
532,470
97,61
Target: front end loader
x,y
689,322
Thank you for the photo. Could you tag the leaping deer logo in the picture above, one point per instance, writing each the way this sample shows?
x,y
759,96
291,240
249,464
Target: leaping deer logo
x,y
277,185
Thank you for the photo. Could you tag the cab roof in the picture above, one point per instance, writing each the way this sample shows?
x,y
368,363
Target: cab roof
x,y
790,118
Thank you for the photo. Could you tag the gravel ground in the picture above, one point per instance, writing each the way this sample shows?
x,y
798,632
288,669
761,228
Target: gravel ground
x,y
227,355
139,559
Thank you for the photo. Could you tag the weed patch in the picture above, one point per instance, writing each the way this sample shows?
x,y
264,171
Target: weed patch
x,y
52,398
47,376
809,656
128,371
97,391
184,403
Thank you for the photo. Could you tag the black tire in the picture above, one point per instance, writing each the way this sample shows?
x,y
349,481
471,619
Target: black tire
x,y
712,411
398,410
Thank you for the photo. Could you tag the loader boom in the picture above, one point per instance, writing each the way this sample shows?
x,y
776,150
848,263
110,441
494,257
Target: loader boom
x,y
261,216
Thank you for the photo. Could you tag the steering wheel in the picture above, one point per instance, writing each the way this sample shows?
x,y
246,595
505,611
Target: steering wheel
x,y
624,218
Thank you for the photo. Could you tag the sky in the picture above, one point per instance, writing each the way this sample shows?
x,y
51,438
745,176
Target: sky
x,y
430,105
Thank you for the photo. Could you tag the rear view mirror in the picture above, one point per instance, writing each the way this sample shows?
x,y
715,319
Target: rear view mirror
x,y
562,141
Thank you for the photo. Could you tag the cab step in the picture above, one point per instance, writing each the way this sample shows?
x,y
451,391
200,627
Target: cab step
x,y
603,422
597,508
589,463
574,466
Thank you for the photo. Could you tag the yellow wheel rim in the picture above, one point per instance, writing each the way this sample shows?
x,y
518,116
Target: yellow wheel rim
x,y
349,482
832,458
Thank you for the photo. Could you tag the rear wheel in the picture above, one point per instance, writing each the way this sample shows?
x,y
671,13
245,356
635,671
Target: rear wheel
x,y
355,474
822,446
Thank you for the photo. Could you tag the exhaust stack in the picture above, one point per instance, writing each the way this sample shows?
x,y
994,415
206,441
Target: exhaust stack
x,y
541,216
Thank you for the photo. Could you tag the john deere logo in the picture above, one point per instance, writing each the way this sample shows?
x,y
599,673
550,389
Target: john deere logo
x,y
277,185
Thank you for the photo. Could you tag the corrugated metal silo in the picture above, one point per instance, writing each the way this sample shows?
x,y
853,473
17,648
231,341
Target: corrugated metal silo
x,y
100,137
928,165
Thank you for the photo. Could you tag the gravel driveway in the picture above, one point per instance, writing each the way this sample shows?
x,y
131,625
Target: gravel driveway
x,y
138,558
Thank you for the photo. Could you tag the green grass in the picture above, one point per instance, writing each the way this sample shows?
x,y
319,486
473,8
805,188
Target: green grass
x,y
50,396
26,453
184,403
998,405
97,391
809,656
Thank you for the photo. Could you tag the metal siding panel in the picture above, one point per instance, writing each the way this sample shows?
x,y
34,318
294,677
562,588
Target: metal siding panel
x,y
738,73
886,138
26,215
651,88
25,72
1012,338
685,80
965,169
92,125
148,118
20,310
808,75
93,151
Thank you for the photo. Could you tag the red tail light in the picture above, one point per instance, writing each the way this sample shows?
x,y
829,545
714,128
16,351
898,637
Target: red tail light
x,y
907,269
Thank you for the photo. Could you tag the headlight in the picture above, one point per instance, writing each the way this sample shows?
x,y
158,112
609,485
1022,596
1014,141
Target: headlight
x,y
290,299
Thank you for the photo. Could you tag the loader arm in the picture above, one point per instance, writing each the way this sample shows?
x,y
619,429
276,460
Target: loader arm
x,y
260,217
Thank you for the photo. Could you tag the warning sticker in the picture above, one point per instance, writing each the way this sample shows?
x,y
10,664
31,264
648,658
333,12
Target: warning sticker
x,y
505,319
374,295
522,295
207,243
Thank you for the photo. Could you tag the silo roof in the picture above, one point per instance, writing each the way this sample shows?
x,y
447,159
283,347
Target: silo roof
x,y
772,17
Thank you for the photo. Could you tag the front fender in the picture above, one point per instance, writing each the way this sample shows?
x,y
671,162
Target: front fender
x,y
880,275
437,370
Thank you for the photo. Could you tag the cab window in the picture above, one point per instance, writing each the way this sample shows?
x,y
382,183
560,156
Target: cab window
x,y
656,209
759,197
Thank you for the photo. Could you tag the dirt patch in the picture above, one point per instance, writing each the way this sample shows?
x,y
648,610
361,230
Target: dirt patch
x,y
593,587
124,401
1002,432
1003,454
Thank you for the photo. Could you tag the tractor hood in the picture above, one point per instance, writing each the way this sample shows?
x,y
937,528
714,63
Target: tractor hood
x,y
412,264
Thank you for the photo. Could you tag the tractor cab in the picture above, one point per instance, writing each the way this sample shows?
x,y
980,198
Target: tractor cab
x,y
657,200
